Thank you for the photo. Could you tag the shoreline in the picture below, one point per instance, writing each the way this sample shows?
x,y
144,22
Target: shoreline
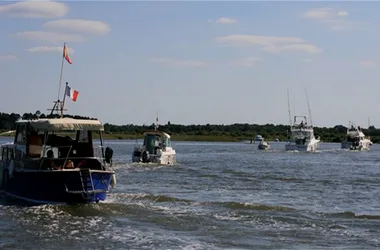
x,y
195,138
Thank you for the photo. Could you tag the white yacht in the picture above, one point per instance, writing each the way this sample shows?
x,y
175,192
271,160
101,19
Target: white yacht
x,y
302,136
355,139
259,138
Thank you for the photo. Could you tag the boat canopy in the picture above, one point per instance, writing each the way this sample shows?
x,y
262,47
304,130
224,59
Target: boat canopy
x,y
159,133
63,124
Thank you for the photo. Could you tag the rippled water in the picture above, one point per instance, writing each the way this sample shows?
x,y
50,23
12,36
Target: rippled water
x,y
219,196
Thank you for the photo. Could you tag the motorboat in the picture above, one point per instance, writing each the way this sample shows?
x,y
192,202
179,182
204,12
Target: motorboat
x,y
355,139
156,148
259,138
55,161
301,133
302,136
263,145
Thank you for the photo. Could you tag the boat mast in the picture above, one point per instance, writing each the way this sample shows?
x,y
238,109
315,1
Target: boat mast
x,y
156,124
308,105
290,116
59,105
369,121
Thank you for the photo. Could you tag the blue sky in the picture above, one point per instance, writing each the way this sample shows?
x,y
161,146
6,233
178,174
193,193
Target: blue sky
x,y
194,62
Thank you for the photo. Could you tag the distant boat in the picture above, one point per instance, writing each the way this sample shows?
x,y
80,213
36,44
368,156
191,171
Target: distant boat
x,y
355,139
301,133
276,140
156,148
263,145
302,136
259,138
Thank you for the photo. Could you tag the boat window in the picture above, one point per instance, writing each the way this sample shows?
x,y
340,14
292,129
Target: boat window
x,y
35,143
167,142
54,149
83,136
150,143
84,146
21,137
4,154
10,153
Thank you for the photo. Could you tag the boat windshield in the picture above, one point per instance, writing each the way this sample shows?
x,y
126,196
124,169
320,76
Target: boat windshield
x,y
167,142
301,137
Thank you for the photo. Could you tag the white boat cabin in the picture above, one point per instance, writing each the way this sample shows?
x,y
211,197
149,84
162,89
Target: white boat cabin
x,y
68,139
156,140
300,132
354,133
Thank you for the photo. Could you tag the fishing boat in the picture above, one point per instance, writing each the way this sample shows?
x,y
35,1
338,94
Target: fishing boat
x,y
355,139
263,145
55,160
156,148
301,134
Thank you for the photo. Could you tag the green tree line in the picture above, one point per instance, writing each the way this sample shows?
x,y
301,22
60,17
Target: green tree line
x,y
213,132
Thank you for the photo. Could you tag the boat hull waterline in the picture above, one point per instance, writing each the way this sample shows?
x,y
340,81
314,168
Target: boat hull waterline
x,y
312,147
58,186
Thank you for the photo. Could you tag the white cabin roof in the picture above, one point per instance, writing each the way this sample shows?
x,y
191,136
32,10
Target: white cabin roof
x,y
63,124
160,133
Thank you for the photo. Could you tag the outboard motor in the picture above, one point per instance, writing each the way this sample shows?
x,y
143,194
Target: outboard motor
x,y
145,156
108,155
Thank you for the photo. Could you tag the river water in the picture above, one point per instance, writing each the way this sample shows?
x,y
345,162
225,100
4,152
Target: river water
x,y
218,196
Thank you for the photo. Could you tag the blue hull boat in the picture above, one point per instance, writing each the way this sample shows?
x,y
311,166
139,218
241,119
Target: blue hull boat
x,y
55,161
66,186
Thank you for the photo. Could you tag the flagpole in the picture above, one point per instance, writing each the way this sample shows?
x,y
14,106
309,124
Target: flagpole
x,y
64,99
60,77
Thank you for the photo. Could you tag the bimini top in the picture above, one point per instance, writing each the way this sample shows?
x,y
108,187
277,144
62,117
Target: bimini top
x,y
63,124
156,132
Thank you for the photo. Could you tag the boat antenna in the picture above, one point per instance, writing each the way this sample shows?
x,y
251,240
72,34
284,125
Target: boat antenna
x,y
156,124
308,105
290,116
369,121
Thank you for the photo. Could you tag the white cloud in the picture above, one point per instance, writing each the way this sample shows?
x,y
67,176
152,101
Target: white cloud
x,y
226,20
56,49
273,44
336,19
367,63
304,47
51,37
246,62
175,62
78,25
35,9
6,58
320,13
257,40
342,13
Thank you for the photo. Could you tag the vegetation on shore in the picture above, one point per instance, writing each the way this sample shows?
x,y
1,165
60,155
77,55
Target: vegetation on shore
x,y
208,132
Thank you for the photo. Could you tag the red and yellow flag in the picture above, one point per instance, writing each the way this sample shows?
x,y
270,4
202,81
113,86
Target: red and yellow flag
x,y
66,54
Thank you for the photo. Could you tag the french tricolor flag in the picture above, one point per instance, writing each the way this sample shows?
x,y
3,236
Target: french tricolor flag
x,y
73,94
